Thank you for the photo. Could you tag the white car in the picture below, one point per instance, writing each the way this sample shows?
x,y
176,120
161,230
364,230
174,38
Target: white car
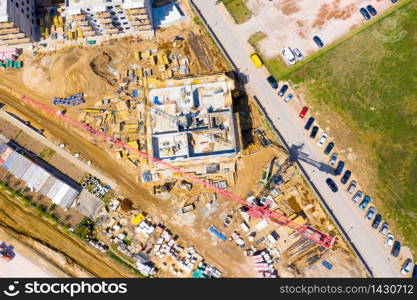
x,y
323,139
389,240
298,54
289,55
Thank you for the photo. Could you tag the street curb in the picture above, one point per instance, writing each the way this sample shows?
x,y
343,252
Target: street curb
x,y
285,144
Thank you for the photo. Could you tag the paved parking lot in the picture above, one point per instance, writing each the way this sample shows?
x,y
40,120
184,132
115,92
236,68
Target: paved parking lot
x,y
293,23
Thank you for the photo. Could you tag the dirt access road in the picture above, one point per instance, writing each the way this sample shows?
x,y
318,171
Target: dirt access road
x,y
293,23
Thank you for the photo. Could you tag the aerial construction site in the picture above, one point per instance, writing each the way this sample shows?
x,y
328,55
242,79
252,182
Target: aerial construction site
x,y
135,147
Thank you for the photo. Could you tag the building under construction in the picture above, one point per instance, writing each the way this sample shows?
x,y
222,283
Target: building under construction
x,y
17,22
98,17
191,121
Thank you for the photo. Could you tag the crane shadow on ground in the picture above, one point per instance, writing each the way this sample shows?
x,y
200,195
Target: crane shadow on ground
x,y
296,154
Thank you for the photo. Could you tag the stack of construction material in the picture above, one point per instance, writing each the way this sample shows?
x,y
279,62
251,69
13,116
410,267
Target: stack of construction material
x,y
7,59
262,263
10,54
72,100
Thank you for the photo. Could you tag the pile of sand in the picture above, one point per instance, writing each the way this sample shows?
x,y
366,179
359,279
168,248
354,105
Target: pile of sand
x,y
73,71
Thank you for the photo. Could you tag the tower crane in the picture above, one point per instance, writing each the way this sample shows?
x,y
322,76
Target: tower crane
x,y
251,209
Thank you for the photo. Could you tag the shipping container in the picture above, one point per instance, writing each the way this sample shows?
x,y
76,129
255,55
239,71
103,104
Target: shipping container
x,y
217,233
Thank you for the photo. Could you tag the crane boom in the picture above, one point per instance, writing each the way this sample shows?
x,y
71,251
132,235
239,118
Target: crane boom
x,y
254,211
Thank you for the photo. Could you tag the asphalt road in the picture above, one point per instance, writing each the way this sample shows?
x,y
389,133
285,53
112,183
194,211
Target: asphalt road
x,y
20,266
363,237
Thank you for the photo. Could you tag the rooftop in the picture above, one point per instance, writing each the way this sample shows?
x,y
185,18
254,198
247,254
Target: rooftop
x,y
193,119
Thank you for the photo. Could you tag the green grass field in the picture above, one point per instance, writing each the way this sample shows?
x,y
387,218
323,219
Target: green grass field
x,y
238,10
370,80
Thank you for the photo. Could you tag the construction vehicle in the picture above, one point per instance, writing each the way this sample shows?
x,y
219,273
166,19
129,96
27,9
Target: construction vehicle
x,y
4,253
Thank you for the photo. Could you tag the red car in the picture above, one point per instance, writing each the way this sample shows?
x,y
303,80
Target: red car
x,y
303,112
4,253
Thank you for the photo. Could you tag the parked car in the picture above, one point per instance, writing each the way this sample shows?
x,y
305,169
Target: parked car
x,y
318,41
333,159
396,249
352,186
322,140
273,82
370,213
346,177
314,132
329,148
339,168
384,228
309,123
283,89
406,268
289,55
357,196
365,202
371,10
298,54
288,98
376,221
365,14
332,185
303,112
389,240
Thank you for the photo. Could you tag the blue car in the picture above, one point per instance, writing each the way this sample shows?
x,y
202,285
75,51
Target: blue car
x,y
329,148
346,176
365,14
283,89
339,168
318,41
273,82
365,202
332,185
371,10
309,123
377,221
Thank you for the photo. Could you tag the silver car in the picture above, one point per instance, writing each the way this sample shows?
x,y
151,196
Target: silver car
x,y
333,159
389,240
322,139
352,186
384,228
357,196
298,54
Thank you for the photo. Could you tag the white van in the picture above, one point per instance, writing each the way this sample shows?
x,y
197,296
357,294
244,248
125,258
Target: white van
x,y
289,55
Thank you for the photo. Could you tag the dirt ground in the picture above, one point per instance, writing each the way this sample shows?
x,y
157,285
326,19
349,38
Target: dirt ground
x,y
293,23
71,255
